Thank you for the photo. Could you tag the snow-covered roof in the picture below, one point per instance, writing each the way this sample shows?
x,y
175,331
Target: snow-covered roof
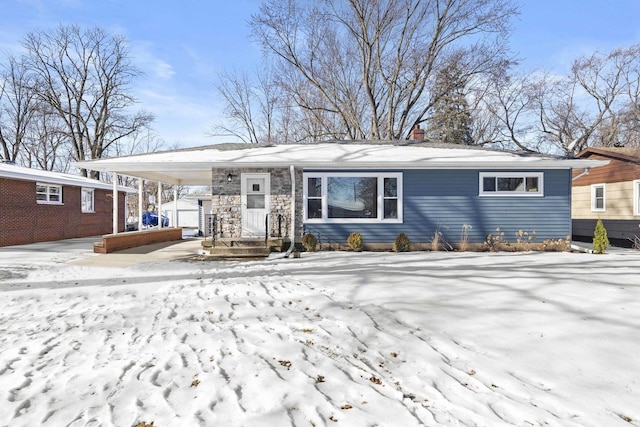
x,y
193,166
8,170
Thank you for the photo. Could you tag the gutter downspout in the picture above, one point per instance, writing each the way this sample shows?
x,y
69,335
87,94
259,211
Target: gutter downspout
x,y
583,173
293,211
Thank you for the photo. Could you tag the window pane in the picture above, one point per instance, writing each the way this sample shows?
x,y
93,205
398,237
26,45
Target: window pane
x,y
41,189
54,197
599,192
87,200
390,187
532,183
314,208
314,187
41,197
489,184
510,184
54,190
391,208
599,203
352,197
255,201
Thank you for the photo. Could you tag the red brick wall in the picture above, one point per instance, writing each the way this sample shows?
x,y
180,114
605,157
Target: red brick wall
x,y
23,220
116,242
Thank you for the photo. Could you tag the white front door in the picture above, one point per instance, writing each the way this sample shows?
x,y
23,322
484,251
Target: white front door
x,y
255,203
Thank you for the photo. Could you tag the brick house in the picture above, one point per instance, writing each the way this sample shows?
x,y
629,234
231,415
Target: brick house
x,y
39,206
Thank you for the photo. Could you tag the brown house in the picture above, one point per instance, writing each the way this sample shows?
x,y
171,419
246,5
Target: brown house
x,y
610,193
39,206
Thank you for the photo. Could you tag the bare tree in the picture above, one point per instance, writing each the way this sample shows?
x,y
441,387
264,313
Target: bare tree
x,y
370,64
18,105
596,104
46,146
253,107
84,77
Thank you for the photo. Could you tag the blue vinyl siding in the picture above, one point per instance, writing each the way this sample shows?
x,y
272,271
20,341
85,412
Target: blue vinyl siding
x,y
445,200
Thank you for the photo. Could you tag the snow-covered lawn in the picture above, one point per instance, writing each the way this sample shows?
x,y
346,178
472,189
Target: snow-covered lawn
x,y
330,339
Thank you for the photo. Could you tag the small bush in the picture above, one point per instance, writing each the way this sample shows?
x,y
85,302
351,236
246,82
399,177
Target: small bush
x,y
435,242
309,242
524,240
600,239
402,243
495,242
464,240
355,241
557,245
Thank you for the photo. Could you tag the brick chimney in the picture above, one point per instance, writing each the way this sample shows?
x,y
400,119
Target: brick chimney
x,y
416,134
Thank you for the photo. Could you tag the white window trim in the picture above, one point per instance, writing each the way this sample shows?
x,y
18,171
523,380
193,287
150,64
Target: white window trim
x,y
636,197
593,198
93,200
523,193
325,208
48,194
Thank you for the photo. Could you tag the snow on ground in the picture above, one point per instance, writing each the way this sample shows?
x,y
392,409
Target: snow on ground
x,y
330,339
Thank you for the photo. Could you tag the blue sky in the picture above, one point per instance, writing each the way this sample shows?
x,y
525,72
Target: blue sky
x,y
181,45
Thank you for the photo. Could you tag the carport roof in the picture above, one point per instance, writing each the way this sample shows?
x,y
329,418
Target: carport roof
x,y
193,166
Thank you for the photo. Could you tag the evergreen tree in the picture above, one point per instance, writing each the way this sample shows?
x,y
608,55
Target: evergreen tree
x,y
600,240
451,120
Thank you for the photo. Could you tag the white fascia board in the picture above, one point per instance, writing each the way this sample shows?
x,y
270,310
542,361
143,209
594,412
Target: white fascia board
x,y
165,171
47,177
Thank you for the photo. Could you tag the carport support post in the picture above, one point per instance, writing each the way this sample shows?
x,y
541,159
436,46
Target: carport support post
x,y
159,204
115,202
140,195
175,206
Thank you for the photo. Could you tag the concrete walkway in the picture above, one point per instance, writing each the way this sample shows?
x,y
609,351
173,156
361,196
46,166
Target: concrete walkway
x,y
165,251
79,251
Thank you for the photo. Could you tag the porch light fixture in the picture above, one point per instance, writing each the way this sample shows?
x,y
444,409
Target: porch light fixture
x,y
230,177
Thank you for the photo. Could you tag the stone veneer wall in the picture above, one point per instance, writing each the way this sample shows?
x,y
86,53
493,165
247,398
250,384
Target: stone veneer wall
x,y
226,201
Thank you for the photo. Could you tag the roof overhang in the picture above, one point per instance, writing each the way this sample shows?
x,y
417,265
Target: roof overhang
x,y
48,177
194,166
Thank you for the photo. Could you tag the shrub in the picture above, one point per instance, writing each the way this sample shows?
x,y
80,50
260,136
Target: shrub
x,y
495,242
464,240
309,242
600,239
355,241
557,245
402,243
435,242
524,240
